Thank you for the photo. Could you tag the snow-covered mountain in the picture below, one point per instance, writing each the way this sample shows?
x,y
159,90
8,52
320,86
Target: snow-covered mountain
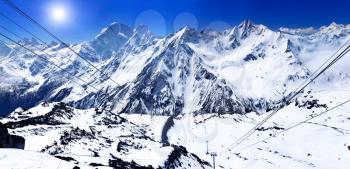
x,y
161,101
246,68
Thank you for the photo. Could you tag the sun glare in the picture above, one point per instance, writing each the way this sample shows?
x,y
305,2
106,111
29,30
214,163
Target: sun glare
x,y
59,14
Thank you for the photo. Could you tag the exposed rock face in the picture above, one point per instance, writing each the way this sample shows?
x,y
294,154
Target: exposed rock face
x,y
10,141
179,152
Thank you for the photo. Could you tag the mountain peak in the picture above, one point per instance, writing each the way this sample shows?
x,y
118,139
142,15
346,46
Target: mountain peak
x,y
332,26
245,28
111,39
142,29
141,36
183,31
246,24
185,34
115,29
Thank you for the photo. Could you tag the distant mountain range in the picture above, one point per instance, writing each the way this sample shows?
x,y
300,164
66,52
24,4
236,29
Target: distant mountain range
x,y
247,68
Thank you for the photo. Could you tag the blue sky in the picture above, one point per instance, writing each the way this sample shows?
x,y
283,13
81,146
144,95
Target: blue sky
x,y
87,17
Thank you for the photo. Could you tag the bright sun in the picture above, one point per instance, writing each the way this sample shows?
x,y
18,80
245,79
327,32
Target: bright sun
x,y
59,14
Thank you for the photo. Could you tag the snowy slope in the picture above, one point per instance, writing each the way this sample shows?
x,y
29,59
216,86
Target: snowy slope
x,y
319,143
11,158
90,137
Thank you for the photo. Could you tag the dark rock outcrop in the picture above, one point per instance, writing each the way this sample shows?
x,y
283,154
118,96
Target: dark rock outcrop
x,y
54,117
174,158
10,141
